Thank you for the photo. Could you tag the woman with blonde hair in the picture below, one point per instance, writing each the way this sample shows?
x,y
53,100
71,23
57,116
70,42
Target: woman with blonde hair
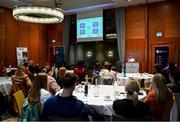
x,y
159,98
131,107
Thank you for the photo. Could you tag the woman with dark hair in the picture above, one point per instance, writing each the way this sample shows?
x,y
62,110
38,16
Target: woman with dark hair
x,y
65,105
159,98
80,71
61,74
131,107
175,82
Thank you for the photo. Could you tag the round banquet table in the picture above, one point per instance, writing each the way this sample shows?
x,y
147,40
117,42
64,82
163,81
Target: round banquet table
x,y
5,85
99,101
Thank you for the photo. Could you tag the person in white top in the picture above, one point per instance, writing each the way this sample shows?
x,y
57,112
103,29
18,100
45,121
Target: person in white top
x,y
107,72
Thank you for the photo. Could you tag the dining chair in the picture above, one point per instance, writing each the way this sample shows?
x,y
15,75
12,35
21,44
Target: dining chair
x,y
81,77
116,117
108,81
20,84
19,98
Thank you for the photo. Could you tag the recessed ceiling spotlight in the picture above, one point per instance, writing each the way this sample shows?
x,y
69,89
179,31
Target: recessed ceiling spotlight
x,y
128,0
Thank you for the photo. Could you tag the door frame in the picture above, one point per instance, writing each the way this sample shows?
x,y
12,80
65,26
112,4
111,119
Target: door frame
x,y
170,44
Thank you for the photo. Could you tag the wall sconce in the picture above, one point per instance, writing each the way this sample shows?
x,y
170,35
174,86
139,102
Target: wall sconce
x,y
110,54
89,54
53,41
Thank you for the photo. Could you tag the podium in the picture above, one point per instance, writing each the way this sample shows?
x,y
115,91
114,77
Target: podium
x,y
132,67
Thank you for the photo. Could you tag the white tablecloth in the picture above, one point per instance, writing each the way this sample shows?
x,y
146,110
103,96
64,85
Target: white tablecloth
x,y
5,85
121,80
100,103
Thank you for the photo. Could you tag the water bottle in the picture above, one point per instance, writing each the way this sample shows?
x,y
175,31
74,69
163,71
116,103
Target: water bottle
x,y
86,89
86,86
96,89
124,72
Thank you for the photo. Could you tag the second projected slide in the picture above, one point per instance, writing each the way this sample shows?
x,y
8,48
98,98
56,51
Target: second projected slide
x,y
90,28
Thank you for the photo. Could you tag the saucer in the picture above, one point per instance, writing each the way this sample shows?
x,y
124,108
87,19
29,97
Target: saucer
x,y
107,99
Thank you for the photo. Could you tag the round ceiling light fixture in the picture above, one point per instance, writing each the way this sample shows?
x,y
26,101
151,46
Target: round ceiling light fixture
x,y
38,14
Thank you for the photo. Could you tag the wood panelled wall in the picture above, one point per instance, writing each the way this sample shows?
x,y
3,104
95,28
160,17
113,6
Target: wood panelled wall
x,y
55,32
142,24
136,40
19,34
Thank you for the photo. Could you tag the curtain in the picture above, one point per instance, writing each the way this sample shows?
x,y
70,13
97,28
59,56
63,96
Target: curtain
x,y
66,37
120,29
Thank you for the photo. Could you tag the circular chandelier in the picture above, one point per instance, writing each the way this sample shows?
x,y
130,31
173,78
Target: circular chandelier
x,y
38,14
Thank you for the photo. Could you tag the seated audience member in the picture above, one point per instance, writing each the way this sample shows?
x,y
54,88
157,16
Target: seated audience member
x,y
26,69
38,92
31,66
80,68
2,69
65,105
80,71
61,74
53,87
104,72
170,68
96,69
175,82
131,107
37,95
119,66
107,74
37,68
107,71
160,98
157,68
112,73
21,77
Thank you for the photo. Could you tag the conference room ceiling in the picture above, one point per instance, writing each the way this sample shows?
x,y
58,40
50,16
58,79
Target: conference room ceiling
x,y
75,6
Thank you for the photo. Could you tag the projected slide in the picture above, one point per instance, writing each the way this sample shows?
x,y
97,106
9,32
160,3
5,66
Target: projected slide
x,y
90,28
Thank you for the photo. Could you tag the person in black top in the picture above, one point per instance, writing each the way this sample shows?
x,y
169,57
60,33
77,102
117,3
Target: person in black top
x,y
167,70
131,107
65,105
175,82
